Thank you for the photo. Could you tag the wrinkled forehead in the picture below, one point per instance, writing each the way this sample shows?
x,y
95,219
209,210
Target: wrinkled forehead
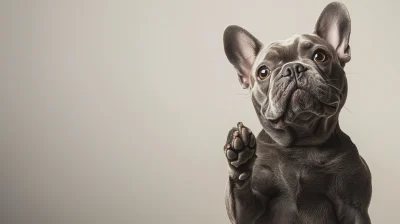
x,y
291,48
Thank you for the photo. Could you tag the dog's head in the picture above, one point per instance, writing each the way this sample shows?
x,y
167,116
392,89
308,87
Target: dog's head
x,y
298,85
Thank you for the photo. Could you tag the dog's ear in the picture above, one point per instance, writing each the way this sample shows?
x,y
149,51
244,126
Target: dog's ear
x,y
334,26
241,48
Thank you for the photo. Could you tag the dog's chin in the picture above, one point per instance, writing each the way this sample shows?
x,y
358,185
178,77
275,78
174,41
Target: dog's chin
x,y
302,110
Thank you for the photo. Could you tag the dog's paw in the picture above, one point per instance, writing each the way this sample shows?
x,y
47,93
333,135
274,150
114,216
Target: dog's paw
x,y
240,149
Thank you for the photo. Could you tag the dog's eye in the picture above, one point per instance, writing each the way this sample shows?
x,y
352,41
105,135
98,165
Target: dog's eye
x,y
263,72
319,56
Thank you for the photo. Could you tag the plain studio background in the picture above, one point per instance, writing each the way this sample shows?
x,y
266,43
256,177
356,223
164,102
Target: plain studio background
x,y
117,111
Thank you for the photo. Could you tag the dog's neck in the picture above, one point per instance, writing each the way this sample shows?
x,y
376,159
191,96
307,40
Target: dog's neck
x,y
337,144
313,135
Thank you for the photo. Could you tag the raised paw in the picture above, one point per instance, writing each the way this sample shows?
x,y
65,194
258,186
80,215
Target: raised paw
x,y
240,146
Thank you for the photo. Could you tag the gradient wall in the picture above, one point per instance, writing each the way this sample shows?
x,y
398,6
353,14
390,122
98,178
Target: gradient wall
x,y
117,111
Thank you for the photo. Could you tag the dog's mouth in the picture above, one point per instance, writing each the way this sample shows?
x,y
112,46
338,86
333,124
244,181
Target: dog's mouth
x,y
301,108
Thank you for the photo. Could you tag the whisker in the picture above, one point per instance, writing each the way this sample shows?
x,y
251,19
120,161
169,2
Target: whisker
x,y
347,109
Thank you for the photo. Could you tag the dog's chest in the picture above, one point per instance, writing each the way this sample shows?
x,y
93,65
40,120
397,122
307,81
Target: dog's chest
x,y
294,180
298,191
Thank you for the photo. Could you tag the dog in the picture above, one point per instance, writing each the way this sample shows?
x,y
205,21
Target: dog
x,y
301,168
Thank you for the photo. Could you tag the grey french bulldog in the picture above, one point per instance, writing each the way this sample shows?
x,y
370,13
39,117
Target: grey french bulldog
x,y
301,168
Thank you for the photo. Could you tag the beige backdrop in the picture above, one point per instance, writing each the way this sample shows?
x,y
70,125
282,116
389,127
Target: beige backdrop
x,y
117,111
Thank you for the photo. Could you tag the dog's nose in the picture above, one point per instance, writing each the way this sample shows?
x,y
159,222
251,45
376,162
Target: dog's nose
x,y
293,69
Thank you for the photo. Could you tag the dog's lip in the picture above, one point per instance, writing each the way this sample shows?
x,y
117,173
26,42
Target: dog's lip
x,y
278,122
275,121
331,108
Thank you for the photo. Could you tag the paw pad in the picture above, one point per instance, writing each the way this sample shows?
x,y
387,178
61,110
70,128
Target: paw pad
x,y
240,145
231,154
